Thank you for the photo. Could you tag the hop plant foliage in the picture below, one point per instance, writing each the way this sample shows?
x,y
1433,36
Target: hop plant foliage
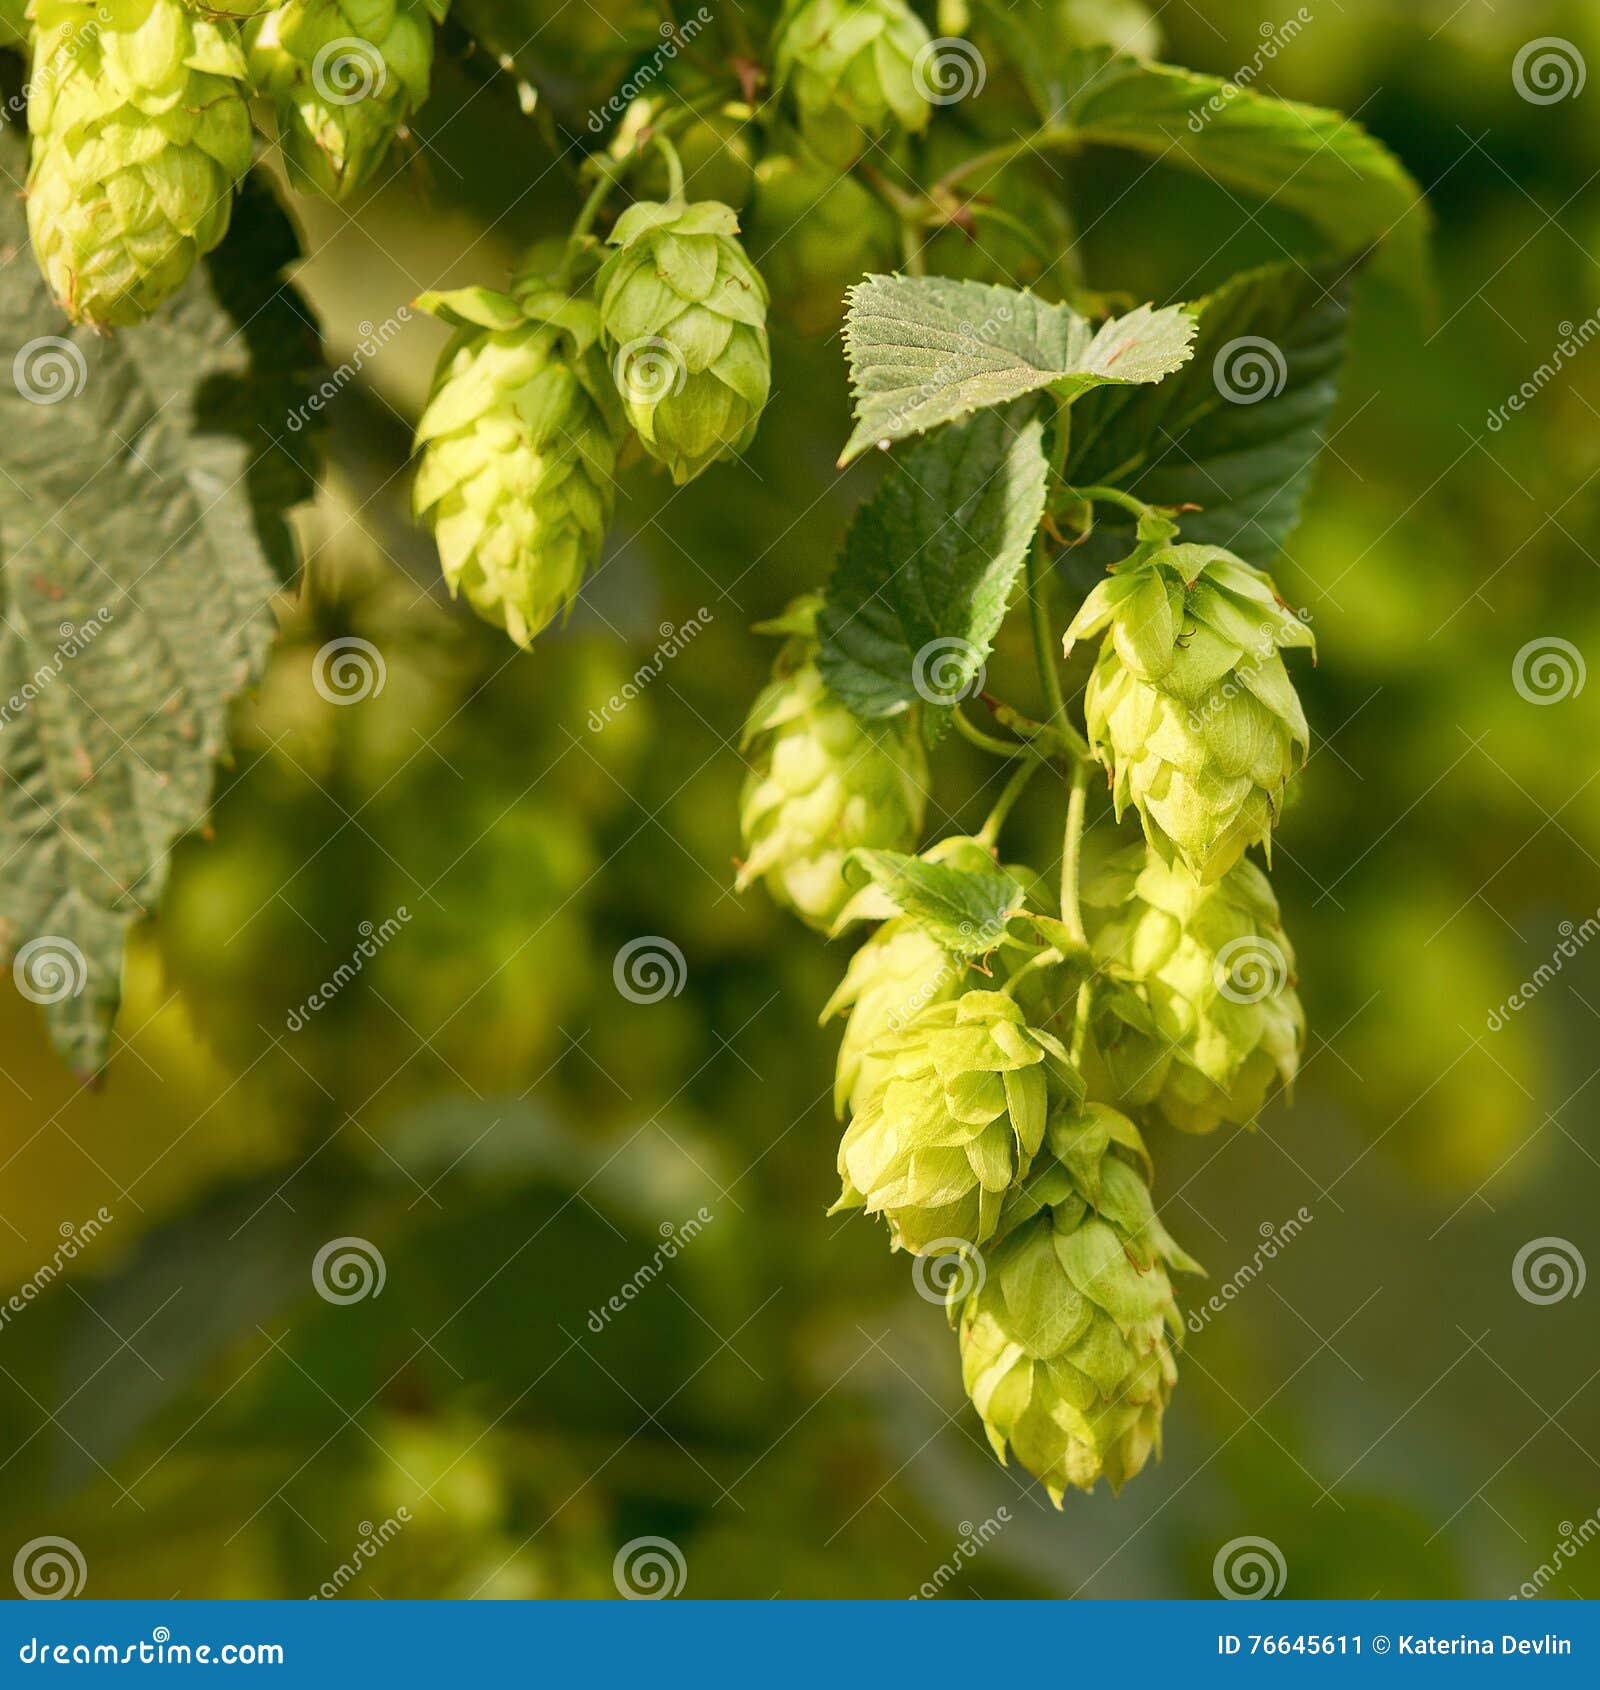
x,y
955,1122
344,77
140,135
518,451
1199,1018
1190,706
1068,1326
821,783
684,316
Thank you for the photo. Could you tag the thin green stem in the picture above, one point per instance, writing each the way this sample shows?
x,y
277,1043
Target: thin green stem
x,y
1043,640
674,166
1050,137
1015,786
1110,496
995,746
1072,853
1080,1022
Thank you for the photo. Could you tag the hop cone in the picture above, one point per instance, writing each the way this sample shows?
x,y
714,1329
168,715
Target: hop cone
x,y
1189,705
821,783
344,76
852,68
957,1120
140,133
684,315
518,448
898,972
1068,1325
1199,1016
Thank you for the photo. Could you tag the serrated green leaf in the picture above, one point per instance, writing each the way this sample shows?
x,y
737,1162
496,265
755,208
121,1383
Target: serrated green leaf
x,y
1351,191
142,516
1248,464
929,564
965,908
926,350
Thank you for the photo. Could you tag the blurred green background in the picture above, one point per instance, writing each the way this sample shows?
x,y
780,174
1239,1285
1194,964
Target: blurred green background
x,y
516,1137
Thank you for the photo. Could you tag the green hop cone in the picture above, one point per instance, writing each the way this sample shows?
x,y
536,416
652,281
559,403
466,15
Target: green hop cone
x,y
140,135
956,1121
1068,1326
821,783
344,77
1197,1015
857,72
1190,706
684,315
518,449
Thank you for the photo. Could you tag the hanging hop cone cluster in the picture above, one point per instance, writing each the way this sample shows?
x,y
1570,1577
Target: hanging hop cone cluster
x,y
1068,1325
140,134
821,782
518,451
854,69
344,77
1190,706
1197,1015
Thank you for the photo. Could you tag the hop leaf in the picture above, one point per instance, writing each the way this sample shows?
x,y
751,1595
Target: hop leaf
x,y
140,135
821,783
1198,1014
957,1119
518,451
344,77
1067,1337
851,66
1190,706
684,315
